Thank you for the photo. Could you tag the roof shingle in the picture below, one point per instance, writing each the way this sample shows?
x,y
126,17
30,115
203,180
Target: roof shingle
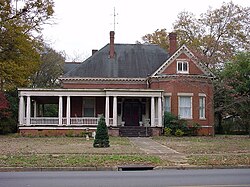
x,y
130,61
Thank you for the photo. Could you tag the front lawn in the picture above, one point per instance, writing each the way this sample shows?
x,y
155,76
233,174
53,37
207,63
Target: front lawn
x,y
18,151
220,150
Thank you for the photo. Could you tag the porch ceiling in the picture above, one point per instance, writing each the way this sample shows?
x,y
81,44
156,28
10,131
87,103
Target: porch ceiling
x,y
45,99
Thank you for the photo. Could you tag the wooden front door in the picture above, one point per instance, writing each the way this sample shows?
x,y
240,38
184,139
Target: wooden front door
x,y
131,113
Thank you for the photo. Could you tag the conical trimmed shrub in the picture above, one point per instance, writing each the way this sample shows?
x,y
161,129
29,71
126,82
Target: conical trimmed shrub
x,y
101,137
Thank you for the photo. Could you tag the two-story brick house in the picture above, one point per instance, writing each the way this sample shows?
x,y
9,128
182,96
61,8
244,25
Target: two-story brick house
x,y
131,85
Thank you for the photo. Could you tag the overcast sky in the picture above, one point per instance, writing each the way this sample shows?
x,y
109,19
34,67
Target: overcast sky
x,y
83,25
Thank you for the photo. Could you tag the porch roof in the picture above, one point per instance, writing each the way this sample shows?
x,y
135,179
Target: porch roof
x,y
90,92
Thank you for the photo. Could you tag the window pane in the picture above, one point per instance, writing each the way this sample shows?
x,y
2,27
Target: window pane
x,y
167,104
179,66
185,107
89,107
202,107
88,112
184,66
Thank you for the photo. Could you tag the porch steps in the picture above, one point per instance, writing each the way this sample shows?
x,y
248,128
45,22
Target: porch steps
x,y
135,131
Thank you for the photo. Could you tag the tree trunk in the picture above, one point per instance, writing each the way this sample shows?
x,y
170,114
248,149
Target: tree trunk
x,y
220,128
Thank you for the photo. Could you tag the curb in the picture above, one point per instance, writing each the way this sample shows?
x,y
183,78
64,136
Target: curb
x,y
115,168
201,167
24,169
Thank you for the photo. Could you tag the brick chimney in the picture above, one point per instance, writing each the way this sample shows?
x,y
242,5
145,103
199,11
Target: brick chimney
x,y
94,51
112,44
172,42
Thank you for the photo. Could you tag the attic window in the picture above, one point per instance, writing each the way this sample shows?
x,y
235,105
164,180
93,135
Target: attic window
x,y
182,67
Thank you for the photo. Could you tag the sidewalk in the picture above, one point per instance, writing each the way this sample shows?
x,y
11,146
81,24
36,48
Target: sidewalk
x,y
152,147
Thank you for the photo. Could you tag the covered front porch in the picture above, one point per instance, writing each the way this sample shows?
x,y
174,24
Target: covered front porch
x,y
81,108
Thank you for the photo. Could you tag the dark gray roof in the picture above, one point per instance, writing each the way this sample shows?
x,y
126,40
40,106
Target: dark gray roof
x,y
69,66
131,61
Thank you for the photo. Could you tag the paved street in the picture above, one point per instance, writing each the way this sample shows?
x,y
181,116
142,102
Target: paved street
x,y
155,178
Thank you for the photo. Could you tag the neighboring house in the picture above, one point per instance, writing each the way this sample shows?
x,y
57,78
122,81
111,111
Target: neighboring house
x,y
131,85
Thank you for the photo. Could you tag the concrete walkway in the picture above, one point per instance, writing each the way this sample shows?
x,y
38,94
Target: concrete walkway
x,y
152,147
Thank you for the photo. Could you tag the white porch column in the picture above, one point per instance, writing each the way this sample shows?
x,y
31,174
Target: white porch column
x,y
159,112
68,110
152,112
35,109
107,111
28,111
60,110
115,111
21,110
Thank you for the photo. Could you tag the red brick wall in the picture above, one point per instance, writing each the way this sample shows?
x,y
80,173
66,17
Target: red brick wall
x,y
54,132
193,69
63,132
194,86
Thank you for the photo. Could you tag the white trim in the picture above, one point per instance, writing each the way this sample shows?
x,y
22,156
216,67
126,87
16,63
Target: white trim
x,y
62,93
90,92
143,93
167,94
68,112
164,76
28,110
204,107
182,62
115,111
107,111
185,94
206,126
160,112
21,110
60,110
202,95
152,120
101,79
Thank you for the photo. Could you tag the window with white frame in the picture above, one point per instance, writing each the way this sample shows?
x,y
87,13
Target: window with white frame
x,y
185,107
202,102
88,107
167,104
182,67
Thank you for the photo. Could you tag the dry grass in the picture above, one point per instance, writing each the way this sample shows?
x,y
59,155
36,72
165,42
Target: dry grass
x,y
62,145
219,150
70,152
76,160
79,152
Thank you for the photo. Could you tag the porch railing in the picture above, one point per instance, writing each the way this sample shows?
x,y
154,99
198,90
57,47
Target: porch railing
x,y
84,121
44,121
76,121
73,121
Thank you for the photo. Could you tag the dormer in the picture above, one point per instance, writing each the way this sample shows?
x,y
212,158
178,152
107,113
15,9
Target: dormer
x,y
182,62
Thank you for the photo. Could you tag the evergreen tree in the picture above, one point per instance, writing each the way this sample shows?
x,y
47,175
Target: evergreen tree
x,y
102,137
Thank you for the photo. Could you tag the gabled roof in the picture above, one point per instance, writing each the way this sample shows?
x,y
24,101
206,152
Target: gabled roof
x,y
130,61
183,49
